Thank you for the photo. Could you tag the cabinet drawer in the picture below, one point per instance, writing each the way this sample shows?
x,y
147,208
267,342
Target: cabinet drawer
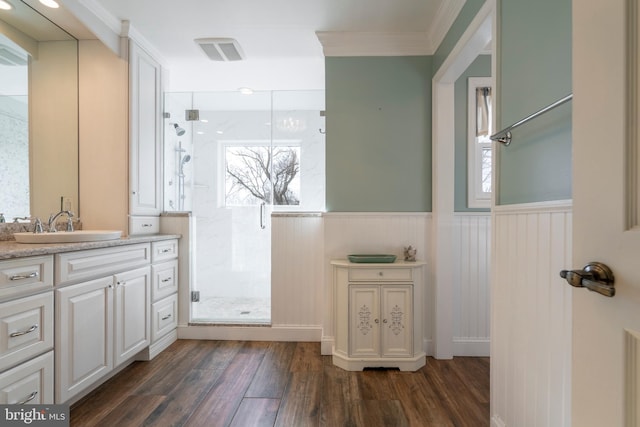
x,y
164,315
381,274
25,275
164,279
144,225
29,383
26,328
94,263
164,250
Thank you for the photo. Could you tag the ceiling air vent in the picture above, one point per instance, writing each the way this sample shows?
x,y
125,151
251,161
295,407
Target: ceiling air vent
x,y
221,49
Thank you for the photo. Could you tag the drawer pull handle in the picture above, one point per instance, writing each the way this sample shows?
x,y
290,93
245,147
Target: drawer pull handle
x,y
21,333
164,251
24,276
146,225
29,399
168,316
168,279
380,273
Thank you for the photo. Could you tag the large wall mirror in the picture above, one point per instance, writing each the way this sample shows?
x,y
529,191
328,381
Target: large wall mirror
x,y
38,115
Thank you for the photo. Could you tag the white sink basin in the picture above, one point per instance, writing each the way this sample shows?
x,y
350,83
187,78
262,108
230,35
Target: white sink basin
x,y
68,236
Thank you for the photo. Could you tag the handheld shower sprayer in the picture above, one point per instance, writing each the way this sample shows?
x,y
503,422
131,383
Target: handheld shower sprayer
x,y
185,159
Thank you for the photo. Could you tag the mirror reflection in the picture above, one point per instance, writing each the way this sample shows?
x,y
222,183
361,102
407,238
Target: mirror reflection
x,y
38,115
14,129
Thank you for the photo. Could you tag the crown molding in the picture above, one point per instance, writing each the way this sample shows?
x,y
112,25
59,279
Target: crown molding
x,y
109,29
346,43
129,31
444,19
97,20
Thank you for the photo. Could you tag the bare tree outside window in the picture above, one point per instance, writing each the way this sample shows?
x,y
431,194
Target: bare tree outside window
x,y
256,173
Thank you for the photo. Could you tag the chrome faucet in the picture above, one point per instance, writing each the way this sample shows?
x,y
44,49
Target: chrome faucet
x,y
37,226
52,221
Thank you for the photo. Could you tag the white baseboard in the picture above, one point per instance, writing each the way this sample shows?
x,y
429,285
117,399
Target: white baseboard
x,y
251,333
471,348
427,346
326,346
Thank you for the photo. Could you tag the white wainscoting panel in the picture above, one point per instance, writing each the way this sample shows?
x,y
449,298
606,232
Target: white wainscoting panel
x,y
471,294
297,252
531,316
380,232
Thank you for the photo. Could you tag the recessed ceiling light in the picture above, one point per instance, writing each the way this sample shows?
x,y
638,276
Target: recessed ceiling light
x,y
5,5
204,120
50,3
219,132
245,90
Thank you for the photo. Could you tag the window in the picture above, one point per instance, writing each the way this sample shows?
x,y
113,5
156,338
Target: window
x,y
479,125
257,173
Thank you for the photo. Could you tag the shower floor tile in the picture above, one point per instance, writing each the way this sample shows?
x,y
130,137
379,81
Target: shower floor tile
x,y
232,310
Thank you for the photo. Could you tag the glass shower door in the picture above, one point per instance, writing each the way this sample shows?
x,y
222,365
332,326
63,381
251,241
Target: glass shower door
x,y
248,155
231,205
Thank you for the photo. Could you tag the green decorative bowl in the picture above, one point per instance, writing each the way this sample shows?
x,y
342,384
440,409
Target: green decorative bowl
x,y
375,258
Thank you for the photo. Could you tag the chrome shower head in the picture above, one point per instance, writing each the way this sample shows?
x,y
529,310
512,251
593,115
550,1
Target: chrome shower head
x,y
179,131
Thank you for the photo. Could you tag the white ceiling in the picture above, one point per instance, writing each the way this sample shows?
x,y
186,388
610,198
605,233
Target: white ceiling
x,y
279,36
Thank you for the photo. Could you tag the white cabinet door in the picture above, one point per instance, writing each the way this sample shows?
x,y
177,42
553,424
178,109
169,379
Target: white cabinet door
x,y
145,171
381,319
132,303
84,335
397,321
364,321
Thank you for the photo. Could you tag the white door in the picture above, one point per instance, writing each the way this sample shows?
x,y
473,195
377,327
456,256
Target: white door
x,y
606,331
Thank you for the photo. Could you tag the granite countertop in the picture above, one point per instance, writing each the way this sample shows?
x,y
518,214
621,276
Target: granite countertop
x,y
11,249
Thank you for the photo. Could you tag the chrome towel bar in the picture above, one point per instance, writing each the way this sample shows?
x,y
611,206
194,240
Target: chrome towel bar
x,y
504,136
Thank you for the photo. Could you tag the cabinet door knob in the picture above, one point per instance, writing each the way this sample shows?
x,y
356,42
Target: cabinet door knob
x,y
380,273
377,321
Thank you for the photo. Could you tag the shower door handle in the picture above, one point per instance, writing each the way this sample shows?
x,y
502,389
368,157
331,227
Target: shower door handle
x,y
262,222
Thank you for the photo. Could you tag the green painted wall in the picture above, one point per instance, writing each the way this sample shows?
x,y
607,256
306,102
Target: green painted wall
x,y
481,67
459,26
378,143
534,71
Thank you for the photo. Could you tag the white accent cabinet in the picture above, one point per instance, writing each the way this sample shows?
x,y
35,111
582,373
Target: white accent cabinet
x,y
378,315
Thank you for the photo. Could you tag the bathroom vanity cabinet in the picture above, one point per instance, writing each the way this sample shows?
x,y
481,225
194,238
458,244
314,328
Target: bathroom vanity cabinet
x,y
102,322
102,315
26,330
378,315
164,297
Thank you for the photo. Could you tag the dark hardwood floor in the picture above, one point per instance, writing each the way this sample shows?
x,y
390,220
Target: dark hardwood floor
x,y
232,383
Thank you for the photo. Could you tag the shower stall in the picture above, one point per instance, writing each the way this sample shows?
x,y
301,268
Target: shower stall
x,y
239,158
